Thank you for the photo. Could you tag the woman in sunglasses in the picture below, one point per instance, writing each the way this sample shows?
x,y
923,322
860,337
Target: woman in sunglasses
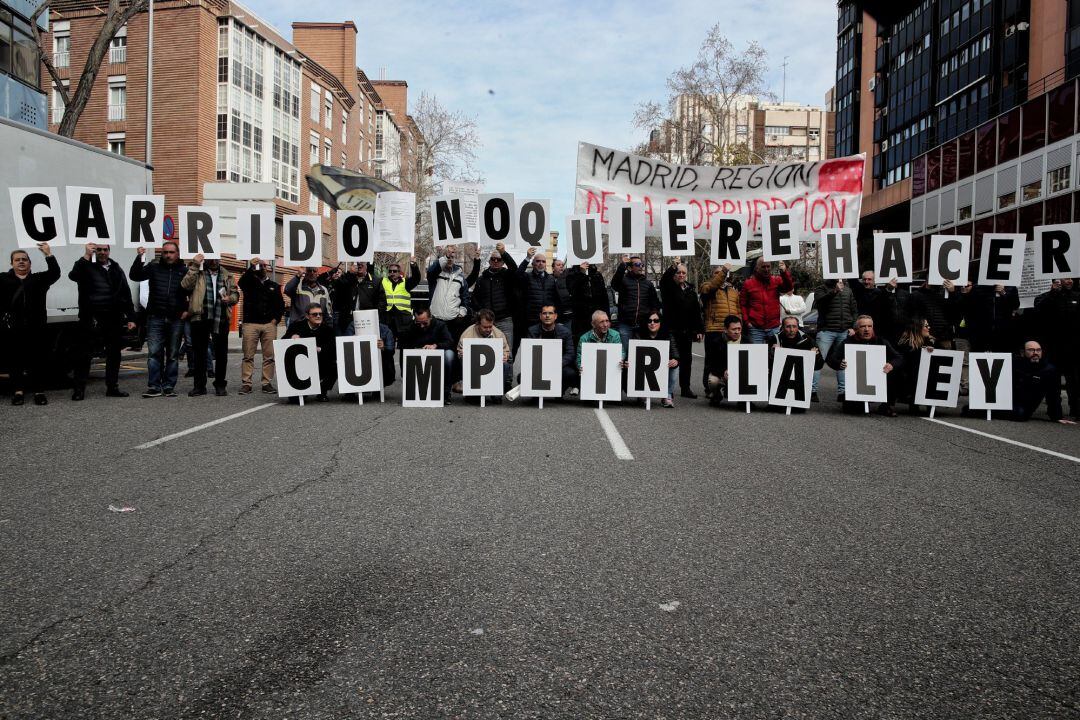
x,y
653,329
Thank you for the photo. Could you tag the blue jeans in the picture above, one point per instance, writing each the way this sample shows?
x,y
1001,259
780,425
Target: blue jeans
x,y
162,345
626,332
672,381
826,341
758,336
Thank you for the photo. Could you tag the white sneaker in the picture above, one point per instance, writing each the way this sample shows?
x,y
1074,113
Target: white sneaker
x,y
513,393
574,392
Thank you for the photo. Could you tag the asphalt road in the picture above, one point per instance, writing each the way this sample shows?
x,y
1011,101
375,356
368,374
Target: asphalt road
x,y
334,561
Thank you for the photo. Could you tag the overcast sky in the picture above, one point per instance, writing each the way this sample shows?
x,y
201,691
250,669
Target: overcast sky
x,y
541,76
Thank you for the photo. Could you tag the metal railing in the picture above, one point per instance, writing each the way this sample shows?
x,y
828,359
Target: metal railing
x,y
117,112
61,59
118,54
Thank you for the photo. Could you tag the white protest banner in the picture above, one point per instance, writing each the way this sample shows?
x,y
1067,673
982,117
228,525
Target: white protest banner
x,y
939,378
748,373
359,365
422,373
792,378
533,223
866,381
468,193
497,219
91,215
778,241
825,194
990,381
301,240
601,376
255,232
200,231
447,220
839,254
541,368
1001,260
648,373
677,229
583,242
36,211
355,236
366,323
481,367
949,259
395,222
144,217
625,227
728,242
893,257
1057,251
297,368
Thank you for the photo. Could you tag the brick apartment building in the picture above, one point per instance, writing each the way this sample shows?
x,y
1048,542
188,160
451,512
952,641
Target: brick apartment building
x,y
966,110
234,101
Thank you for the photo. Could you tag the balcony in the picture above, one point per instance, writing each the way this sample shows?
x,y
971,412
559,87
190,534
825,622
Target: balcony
x,y
118,54
117,113
61,59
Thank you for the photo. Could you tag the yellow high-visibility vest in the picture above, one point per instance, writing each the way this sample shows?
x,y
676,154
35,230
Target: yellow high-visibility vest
x,y
397,298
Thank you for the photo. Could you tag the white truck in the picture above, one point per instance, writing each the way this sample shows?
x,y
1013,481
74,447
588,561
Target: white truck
x,y
34,158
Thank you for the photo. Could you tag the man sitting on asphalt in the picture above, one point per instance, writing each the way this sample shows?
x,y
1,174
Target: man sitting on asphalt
x,y
428,333
1035,380
550,329
484,329
864,335
716,359
315,325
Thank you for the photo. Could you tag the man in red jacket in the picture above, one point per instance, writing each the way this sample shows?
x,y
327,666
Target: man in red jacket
x,y
760,300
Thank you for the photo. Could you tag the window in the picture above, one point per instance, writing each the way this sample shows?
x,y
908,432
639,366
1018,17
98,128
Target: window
x,y
344,129
61,47
777,130
741,129
117,98
328,153
23,55
118,47
1032,191
316,102
1006,200
58,104
117,143
325,210
313,203
965,213
329,117
313,149
1058,180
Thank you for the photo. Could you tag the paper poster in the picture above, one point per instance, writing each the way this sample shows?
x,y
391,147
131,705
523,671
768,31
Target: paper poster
x,y
422,373
395,222
893,257
601,376
91,215
366,323
839,254
748,372
481,367
866,381
792,378
255,233
469,194
990,378
355,236
950,257
939,378
541,368
200,231
677,229
625,227
728,242
1001,259
297,367
648,372
36,211
359,364
778,240
301,237
583,242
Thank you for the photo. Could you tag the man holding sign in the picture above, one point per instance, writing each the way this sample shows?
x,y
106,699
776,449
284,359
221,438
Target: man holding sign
x,y
484,329
760,299
22,321
213,294
166,311
315,325
864,336
105,309
262,311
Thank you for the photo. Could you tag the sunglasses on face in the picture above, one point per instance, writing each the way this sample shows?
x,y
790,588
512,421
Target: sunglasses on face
x,y
495,259
654,321
636,264
315,314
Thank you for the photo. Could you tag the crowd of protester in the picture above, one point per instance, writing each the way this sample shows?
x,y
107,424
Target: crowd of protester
x,y
193,303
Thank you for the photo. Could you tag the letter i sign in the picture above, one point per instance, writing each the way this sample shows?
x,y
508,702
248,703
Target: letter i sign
x,y
841,176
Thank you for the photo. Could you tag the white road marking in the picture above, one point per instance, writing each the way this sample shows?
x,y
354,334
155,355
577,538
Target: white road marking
x,y
197,428
1063,456
617,445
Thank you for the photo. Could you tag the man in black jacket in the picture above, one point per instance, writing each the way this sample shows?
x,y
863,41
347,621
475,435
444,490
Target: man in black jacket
x,y
314,325
537,287
1061,337
22,322
939,306
496,290
989,316
105,309
864,335
637,297
262,310
1036,380
562,288
429,333
588,293
166,311
356,289
682,316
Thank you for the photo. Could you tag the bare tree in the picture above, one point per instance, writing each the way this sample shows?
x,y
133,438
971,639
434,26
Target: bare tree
x,y
74,104
696,123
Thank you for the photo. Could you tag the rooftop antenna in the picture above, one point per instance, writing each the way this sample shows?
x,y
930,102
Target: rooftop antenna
x,y
783,91
382,72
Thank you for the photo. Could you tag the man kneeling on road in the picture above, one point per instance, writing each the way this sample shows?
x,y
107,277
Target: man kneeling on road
x,y
314,325
864,335
716,359
1036,380
428,333
484,329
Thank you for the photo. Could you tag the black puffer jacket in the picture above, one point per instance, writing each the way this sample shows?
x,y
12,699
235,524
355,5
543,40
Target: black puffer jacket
x,y
102,290
166,297
588,293
682,307
28,309
637,296
836,308
262,299
537,290
496,290
942,313
987,314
